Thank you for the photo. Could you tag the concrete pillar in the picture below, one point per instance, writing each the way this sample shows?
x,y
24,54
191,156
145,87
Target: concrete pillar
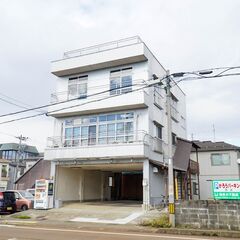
x,y
146,187
102,185
81,185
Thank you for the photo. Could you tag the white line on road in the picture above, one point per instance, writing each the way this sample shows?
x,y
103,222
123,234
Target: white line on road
x,y
5,225
109,233
125,220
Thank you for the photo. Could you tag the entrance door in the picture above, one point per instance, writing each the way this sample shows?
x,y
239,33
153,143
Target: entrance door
x,y
127,186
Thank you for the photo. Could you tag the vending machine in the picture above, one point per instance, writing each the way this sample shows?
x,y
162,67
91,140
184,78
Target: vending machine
x,y
43,198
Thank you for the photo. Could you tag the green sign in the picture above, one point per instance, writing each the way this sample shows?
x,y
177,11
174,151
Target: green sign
x,y
226,189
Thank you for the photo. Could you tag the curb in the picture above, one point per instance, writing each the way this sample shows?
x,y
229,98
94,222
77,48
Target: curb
x,y
200,232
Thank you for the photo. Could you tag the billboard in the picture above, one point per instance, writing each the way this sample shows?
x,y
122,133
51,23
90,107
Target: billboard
x,y
226,189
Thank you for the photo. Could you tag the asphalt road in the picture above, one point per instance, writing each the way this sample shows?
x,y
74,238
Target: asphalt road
x,y
35,233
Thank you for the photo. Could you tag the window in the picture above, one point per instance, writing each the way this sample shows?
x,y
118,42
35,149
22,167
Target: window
x,y
77,87
220,159
158,130
195,188
102,129
174,139
120,81
4,171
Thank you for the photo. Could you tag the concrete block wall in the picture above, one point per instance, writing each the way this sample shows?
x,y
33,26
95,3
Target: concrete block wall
x,y
209,214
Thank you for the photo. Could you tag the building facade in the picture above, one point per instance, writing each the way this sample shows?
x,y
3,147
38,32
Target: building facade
x,y
19,157
217,161
110,129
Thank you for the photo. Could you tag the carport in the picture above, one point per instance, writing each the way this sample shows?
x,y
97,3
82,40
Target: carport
x,y
95,180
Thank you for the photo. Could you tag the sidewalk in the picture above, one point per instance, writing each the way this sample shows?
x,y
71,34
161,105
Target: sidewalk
x,y
62,218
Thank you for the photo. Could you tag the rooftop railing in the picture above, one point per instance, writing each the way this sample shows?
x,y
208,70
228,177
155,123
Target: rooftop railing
x,y
103,47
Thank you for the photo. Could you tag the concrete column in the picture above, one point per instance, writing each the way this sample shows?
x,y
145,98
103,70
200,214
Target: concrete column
x,y
81,185
102,185
146,187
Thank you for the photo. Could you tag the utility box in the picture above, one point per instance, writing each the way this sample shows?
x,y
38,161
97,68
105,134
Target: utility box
x,y
43,198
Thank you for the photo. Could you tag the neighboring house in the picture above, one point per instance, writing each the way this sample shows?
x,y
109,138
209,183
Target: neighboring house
x,y
25,155
4,168
110,135
39,170
217,161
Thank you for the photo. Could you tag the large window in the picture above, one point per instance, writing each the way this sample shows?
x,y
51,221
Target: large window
x,y
77,87
120,81
220,159
101,129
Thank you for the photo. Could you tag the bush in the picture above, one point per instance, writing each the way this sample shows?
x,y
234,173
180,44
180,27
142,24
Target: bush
x,y
161,222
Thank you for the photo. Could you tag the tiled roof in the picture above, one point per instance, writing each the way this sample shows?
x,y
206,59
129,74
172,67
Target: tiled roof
x,y
206,146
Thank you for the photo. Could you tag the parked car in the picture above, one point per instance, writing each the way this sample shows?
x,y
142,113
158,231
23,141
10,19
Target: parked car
x,y
31,190
7,202
24,199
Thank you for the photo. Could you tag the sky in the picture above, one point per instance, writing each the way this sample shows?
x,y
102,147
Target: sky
x,y
184,35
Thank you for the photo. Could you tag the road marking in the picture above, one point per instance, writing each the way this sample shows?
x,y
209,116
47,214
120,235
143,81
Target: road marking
x,y
111,233
125,220
5,225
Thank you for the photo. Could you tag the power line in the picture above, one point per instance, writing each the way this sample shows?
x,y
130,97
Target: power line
x,y
95,100
95,94
12,103
61,102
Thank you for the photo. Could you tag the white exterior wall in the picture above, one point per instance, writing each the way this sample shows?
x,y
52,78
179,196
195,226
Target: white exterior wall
x,y
208,173
158,185
91,184
76,184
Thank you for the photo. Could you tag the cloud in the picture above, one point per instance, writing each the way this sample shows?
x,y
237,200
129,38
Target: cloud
x,y
184,35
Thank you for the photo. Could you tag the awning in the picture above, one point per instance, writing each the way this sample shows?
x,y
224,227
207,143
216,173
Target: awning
x,y
182,154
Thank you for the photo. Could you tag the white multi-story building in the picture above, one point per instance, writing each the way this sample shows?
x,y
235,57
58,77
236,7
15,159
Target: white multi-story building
x,y
110,130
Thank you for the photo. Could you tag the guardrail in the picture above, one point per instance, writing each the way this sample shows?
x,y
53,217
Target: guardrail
x,y
94,139
102,47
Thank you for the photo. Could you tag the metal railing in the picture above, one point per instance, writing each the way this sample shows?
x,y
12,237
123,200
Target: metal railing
x,y
94,139
174,113
97,92
103,47
158,99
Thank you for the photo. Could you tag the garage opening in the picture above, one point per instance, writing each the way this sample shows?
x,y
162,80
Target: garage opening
x,y
127,186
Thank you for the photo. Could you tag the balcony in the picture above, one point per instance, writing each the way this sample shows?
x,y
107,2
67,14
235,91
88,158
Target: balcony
x,y
135,145
174,114
158,99
105,103
111,54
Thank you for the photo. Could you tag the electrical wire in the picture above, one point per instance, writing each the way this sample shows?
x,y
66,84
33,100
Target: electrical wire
x,y
12,103
96,100
57,103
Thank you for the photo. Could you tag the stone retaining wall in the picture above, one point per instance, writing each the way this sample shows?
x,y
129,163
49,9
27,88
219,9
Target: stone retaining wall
x,y
209,214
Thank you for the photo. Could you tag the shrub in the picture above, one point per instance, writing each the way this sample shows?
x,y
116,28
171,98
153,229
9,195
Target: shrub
x,y
161,222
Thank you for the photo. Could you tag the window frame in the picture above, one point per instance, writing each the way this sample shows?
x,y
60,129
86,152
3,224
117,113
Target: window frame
x,y
79,81
112,136
117,79
221,162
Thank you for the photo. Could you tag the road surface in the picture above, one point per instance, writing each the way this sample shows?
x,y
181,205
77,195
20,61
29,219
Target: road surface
x,y
36,233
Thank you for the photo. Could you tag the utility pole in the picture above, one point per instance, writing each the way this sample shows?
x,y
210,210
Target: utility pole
x,y
21,138
171,207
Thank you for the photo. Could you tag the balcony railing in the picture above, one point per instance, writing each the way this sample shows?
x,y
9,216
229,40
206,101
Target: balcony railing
x,y
174,113
102,47
97,92
93,140
158,99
